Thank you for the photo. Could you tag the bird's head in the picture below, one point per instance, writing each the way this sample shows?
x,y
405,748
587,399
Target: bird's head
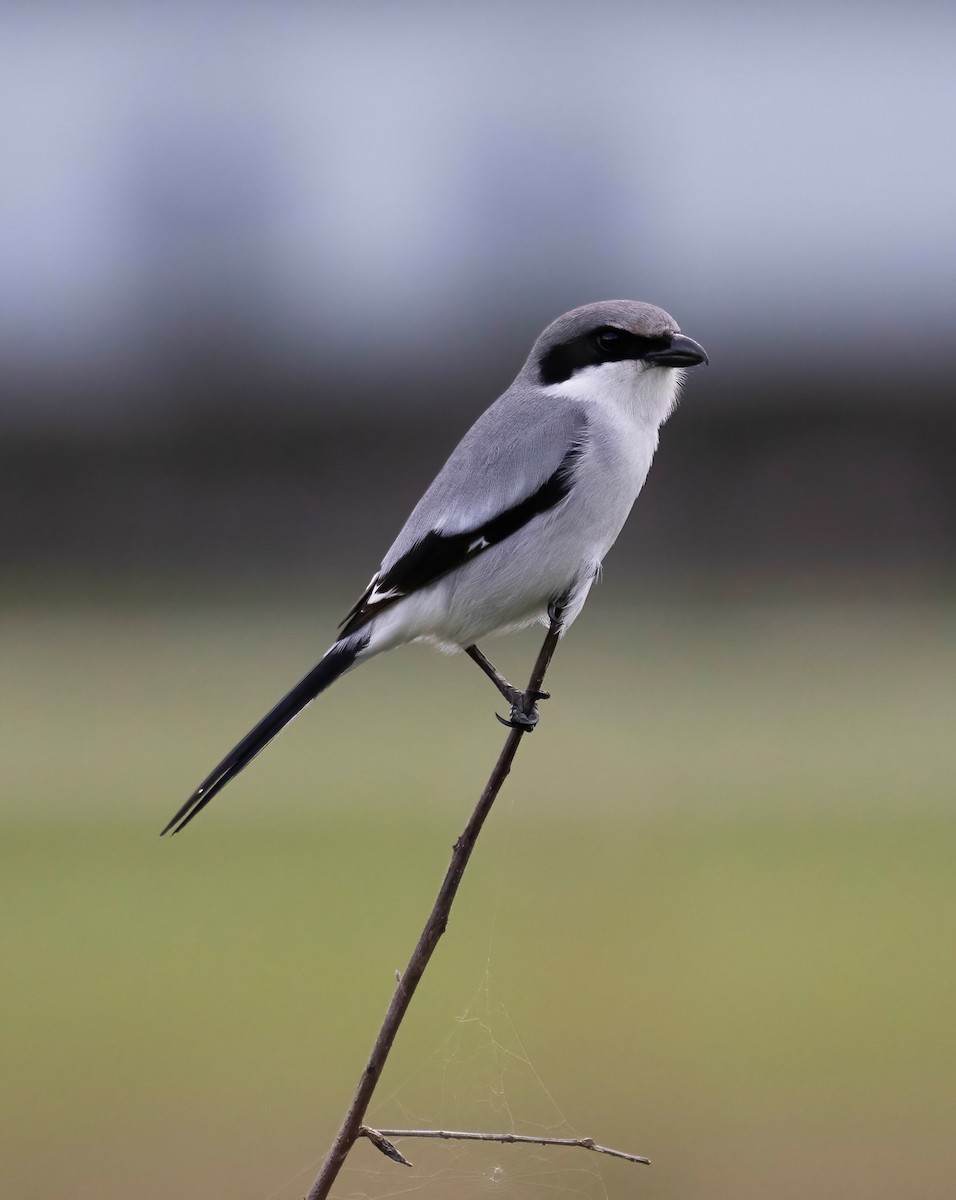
x,y
616,351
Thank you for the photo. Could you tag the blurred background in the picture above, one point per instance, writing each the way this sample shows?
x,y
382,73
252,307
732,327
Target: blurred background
x,y
260,267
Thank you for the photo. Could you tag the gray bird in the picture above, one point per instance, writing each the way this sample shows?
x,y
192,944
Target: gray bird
x,y
517,522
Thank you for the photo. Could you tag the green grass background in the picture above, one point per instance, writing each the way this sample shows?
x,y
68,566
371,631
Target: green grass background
x,y
711,919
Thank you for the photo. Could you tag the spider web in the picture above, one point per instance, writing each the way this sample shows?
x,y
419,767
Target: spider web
x,y
478,1078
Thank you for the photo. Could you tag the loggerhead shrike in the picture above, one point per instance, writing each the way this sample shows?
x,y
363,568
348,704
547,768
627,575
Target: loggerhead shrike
x,y
517,522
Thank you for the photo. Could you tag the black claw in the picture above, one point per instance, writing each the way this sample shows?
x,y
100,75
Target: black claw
x,y
519,719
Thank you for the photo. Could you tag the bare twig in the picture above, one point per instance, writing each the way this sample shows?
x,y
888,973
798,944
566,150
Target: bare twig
x,y
434,927
453,1135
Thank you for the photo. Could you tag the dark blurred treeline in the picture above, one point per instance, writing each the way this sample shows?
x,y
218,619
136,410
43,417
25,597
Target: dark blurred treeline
x,y
759,477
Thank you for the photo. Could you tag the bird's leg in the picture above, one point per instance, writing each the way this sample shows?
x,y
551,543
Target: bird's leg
x,y
524,712
524,705
556,617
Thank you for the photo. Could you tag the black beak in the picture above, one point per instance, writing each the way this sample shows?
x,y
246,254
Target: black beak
x,y
682,352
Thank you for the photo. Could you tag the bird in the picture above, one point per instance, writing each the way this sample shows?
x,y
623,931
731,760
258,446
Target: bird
x,y
514,528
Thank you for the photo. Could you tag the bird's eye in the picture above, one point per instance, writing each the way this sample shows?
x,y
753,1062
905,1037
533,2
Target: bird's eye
x,y
608,340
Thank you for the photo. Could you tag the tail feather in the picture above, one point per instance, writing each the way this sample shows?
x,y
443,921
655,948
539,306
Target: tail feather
x,y
335,663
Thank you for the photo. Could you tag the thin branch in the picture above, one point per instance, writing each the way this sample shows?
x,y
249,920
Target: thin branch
x,y
459,1136
351,1127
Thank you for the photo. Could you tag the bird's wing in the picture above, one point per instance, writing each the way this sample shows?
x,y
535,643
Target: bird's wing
x,y
516,462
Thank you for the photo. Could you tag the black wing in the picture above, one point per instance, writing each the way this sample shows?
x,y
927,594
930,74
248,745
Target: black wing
x,y
437,553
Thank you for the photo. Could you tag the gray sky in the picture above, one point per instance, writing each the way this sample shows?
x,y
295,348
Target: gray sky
x,y
311,178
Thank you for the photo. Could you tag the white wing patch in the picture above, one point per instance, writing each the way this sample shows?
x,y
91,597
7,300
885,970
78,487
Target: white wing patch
x,y
478,544
376,597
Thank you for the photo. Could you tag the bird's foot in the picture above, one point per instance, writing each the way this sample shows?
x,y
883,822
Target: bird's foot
x,y
524,710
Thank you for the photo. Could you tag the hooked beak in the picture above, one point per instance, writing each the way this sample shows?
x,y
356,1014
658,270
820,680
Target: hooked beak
x,y
682,352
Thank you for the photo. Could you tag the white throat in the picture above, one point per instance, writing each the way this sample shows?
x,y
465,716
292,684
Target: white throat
x,y
647,395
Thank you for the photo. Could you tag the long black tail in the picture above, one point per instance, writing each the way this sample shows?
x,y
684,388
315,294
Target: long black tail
x,y
335,663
